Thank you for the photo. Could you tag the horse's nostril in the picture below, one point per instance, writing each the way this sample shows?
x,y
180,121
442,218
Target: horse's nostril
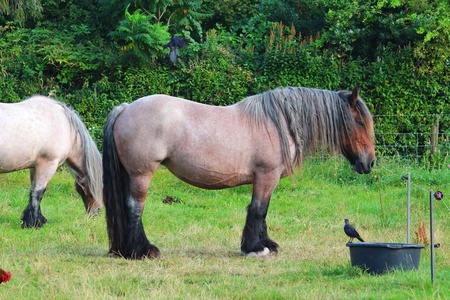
x,y
372,163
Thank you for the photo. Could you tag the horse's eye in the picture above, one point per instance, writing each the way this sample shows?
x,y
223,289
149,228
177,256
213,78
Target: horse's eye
x,y
360,123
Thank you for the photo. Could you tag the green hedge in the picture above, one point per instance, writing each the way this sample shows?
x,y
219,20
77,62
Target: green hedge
x,y
218,72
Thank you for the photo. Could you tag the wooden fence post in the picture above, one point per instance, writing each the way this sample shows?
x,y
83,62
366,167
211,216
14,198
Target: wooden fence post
x,y
434,136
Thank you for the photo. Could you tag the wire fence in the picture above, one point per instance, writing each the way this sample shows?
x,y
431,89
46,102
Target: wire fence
x,y
412,136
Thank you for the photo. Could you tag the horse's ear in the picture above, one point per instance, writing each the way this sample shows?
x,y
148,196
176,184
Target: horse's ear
x,y
355,95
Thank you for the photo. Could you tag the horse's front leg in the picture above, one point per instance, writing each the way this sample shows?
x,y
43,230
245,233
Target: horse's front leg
x,y
39,177
255,240
32,216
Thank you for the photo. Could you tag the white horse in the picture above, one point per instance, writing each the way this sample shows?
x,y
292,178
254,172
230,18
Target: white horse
x,y
40,134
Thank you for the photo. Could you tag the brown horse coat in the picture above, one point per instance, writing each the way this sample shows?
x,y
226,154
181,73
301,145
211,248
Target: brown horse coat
x,y
255,141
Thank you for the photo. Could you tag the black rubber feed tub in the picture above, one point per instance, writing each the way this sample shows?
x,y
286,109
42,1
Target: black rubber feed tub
x,y
379,258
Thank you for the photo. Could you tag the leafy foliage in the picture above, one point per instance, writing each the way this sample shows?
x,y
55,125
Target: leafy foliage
x,y
179,15
214,76
137,34
305,16
45,56
398,50
231,13
291,59
19,10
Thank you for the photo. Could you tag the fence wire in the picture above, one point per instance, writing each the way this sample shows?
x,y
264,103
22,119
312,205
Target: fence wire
x,y
412,136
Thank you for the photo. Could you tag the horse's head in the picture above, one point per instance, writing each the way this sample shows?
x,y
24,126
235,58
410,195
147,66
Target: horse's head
x,y
356,140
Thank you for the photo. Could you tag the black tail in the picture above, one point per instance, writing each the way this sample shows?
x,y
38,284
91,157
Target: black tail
x,y
116,186
360,239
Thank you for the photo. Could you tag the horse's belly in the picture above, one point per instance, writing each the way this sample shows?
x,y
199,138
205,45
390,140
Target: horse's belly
x,y
215,183
19,153
211,178
11,163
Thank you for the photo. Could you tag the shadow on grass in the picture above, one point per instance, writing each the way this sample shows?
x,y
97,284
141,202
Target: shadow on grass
x,y
206,254
343,271
13,221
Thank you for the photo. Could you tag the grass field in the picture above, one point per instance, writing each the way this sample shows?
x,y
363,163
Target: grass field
x,y
200,237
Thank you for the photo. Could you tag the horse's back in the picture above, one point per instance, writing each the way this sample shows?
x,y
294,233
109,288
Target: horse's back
x,y
29,129
160,124
207,146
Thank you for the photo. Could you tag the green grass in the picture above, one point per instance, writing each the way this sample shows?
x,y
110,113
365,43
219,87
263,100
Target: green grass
x,y
200,238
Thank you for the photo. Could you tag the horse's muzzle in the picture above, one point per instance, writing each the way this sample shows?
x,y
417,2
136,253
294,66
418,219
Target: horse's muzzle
x,y
363,167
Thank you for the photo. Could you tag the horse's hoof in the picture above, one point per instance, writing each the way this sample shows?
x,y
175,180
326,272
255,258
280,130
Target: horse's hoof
x,y
34,223
26,225
264,254
150,253
153,253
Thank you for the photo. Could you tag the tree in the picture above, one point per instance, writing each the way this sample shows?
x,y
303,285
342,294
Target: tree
x,y
230,13
19,11
366,28
432,19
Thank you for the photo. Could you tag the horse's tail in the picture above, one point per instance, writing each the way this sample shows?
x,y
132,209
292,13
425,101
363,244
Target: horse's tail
x,y
92,160
116,185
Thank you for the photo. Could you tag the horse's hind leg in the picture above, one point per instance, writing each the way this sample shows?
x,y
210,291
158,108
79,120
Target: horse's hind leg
x,y
136,241
40,176
255,240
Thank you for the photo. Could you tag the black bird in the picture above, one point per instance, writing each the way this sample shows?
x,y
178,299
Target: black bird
x,y
175,43
351,231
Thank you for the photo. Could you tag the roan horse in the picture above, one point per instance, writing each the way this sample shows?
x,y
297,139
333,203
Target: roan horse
x,y
40,134
255,141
